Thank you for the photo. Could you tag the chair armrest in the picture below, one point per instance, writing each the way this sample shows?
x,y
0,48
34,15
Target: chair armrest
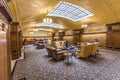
x,y
61,52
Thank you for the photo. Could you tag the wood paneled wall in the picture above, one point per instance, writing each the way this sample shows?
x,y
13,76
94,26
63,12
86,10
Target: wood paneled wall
x,y
93,31
95,28
90,38
37,37
56,37
30,40
68,38
113,35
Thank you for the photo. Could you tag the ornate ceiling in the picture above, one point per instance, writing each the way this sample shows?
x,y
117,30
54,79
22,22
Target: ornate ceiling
x,y
31,12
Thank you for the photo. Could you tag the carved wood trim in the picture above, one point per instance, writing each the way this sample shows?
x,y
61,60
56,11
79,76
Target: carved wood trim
x,y
4,9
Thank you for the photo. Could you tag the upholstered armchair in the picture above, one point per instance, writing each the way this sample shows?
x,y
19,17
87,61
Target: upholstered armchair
x,y
48,48
85,51
58,55
40,46
53,44
95,48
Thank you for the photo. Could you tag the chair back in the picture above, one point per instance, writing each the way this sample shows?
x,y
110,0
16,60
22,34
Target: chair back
x,y
95,48
53,44
54,52
85,51
49,51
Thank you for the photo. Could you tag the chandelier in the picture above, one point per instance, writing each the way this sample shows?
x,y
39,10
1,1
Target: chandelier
x,y
31,32
35,30
47,20
84,25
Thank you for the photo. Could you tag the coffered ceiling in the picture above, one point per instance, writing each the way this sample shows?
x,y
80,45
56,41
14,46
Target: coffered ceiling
x,y
31,12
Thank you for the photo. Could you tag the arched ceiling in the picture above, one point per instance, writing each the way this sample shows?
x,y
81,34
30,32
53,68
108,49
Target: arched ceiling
x,y
31,12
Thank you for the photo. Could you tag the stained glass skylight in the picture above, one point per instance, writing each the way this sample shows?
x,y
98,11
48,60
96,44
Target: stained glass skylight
x,y
54,25
69,11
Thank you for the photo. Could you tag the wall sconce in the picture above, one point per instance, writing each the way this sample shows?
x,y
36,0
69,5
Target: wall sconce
x,y
2,27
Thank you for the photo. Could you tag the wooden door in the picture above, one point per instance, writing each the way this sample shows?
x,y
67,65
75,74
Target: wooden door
x,y
110,39
116,36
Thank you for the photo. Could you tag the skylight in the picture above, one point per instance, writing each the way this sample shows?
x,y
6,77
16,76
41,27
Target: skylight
x,y
41,29
69,11
54,25
44,29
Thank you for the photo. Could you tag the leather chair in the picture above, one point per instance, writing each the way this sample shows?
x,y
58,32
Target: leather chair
x,y
49,51
40,46
58,55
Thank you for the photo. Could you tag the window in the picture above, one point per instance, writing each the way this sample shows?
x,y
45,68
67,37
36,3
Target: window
x,y
54,25
69,11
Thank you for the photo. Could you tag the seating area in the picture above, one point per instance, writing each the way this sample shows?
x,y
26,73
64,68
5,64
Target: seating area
x,y
59,39
56,49
88,49
37,65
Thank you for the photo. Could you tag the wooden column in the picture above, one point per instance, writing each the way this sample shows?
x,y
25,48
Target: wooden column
x,y
5,67
53,35
20,41
5,18
14,37
61,35
77,36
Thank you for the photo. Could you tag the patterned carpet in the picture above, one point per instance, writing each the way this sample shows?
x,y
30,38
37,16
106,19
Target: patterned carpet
x,y
38,66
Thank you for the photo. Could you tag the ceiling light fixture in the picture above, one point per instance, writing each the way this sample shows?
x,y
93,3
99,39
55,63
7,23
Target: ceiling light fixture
x,y
84,25
31,32
47,20
35,30
50,33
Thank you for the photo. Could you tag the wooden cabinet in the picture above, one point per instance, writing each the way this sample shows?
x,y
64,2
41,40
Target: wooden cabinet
x,y
14,40
113,36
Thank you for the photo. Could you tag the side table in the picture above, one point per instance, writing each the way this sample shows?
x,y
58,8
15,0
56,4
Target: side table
x,y
67,56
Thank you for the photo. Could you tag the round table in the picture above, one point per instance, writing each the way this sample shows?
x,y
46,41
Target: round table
x,y
68,55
